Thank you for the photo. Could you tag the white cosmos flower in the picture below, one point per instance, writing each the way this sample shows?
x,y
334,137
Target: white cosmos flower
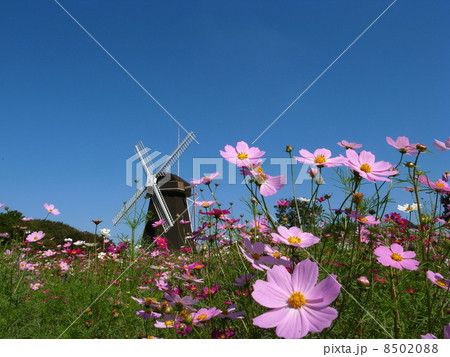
x,y
105,232
79,242
407,207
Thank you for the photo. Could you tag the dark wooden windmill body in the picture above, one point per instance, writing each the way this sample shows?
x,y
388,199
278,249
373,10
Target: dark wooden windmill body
x,y
175,192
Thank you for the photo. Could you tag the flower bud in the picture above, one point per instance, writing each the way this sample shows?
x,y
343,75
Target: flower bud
x,y
289,148
313,172
357,198
363,281
410,165
421,147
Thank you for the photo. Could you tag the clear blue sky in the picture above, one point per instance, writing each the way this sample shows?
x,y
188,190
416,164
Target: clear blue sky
x,y
225,69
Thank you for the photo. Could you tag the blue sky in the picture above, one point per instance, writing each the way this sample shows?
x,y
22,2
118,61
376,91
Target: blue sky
x,y
225,70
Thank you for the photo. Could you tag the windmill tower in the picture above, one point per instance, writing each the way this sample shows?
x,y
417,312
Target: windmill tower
x,y
168,193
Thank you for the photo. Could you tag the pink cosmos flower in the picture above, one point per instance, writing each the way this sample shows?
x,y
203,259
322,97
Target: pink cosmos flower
x,y
364,164
431,336
295,237
204,203
440,185
441,146
438,280
320,158
51,209
284,203
347,145
255,255
242,155
260,224
158,223
1,205
204,314
206,179
25,219
298,305
395,257
35,236
268,185
371,220
403,145
35,286
64,266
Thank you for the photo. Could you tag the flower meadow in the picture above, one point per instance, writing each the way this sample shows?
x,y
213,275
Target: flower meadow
x,y
308,267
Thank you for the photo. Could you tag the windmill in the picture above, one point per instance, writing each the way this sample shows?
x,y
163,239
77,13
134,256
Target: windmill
x,y
159,185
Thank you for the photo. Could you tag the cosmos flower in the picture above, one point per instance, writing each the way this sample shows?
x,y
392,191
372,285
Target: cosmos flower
x,y
51,209
284,203
268,185
364,164
441,146
298,305
320,158
204,203
105,232
294,236
438,280
395,257
35,236
204,314
407,207
255,255
158,223
440,185
403,145
371,220
206,179
242,155
347,145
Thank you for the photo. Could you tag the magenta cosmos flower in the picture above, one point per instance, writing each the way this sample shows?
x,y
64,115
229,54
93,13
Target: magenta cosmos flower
x,y
298,305
242,155
51,209
347,145
395,257
364,164
268,185
35,236
403,145
206,179
438,280
320,158
295,237
284,203
442,146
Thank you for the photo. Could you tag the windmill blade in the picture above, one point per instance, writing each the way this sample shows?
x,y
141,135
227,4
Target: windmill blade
x,y
146,161
161,207
176,154
126,207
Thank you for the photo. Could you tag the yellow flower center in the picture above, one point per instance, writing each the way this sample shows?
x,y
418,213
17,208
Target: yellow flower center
x,y
397,257
297,300
439,184
169,323
294,240
259,170
276,255
205,204
442,283
320,159
36,237
364,219
242,156
256,256
202,317
149,301
366,168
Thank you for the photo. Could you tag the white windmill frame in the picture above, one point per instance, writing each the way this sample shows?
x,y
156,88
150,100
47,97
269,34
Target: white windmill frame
x,y
151,185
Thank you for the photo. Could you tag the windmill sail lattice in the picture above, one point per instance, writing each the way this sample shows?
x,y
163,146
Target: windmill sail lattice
x,y
151,186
